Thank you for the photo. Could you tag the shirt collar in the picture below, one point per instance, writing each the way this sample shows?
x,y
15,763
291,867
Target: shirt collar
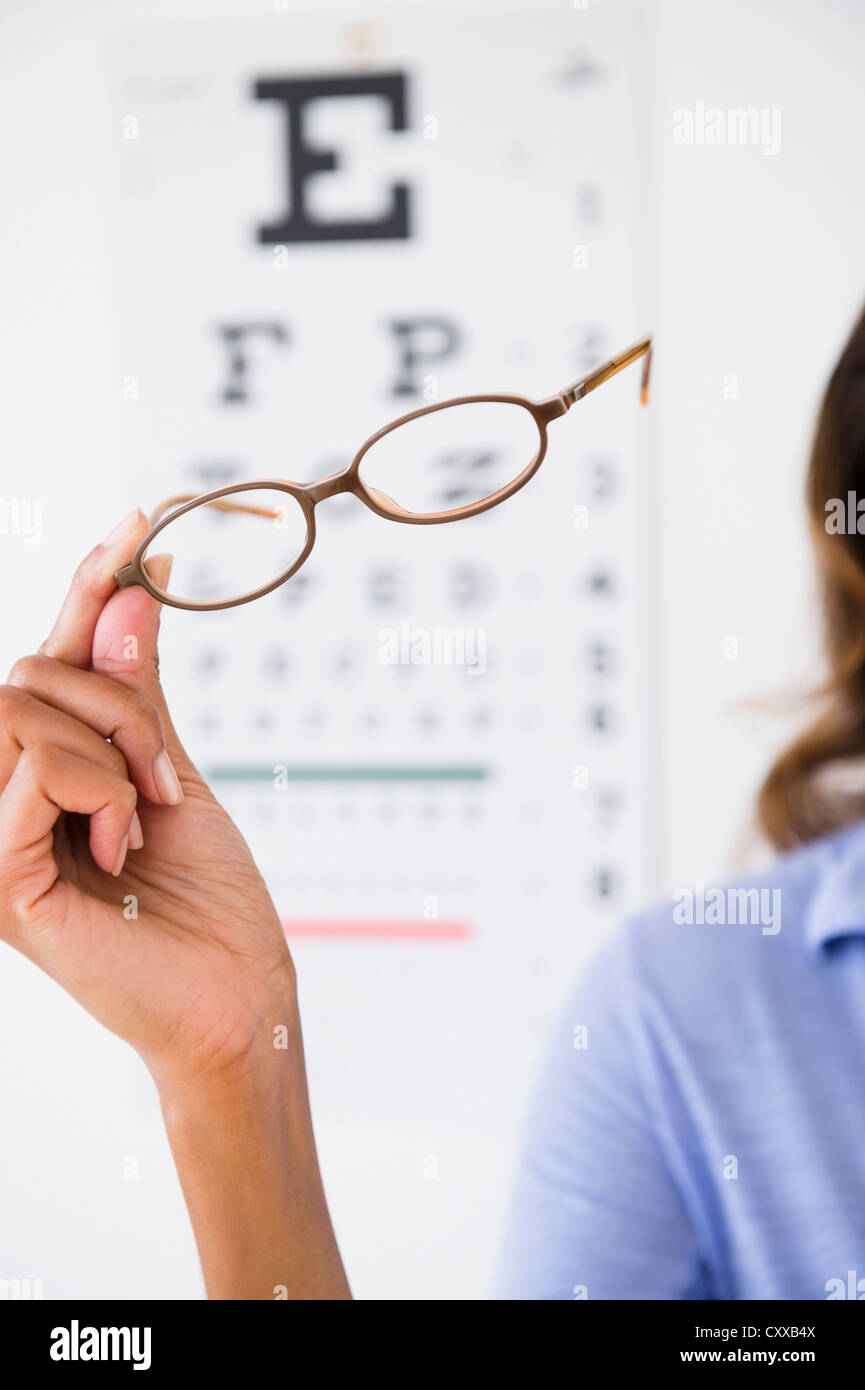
x,y
837,907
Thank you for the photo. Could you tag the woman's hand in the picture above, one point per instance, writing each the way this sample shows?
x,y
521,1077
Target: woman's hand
x,y
125,880
120,874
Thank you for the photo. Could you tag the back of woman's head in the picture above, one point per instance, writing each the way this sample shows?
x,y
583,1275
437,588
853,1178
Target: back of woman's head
x,y
803,796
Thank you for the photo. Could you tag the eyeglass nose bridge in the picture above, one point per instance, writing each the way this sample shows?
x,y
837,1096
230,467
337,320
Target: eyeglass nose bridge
x,y
330,486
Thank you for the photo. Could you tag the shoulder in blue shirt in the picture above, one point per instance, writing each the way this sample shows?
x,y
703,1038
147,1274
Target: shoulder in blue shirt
x,y
698,1131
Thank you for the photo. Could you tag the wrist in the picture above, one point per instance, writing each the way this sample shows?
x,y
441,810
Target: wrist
x,y
255,1053
242,1139
251,1113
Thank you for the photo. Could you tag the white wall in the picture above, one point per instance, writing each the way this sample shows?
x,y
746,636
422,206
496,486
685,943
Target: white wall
x,y
760,274
756,271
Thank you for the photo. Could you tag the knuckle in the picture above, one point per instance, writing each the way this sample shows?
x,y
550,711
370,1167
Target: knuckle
x,y
143,719
27,669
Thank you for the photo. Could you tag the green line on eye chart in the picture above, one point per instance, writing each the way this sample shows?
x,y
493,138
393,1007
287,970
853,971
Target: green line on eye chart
x,y
349,773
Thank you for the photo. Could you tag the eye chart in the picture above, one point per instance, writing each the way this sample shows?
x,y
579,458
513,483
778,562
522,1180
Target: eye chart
x,y
434,737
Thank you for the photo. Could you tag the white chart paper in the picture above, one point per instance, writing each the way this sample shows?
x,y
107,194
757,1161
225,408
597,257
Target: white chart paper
x,y
444,846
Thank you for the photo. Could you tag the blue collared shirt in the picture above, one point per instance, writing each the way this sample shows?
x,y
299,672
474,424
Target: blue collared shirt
x,y
698,1130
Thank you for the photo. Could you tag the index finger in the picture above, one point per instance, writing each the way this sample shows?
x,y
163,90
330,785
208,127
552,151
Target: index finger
x,y
71,638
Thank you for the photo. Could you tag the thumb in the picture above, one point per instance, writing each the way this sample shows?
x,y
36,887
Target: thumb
x,y
125,646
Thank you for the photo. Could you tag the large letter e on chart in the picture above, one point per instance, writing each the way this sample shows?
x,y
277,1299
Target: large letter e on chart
x,y
303,161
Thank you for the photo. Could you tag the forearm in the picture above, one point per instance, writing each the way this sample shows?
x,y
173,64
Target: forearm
x,y
245,1154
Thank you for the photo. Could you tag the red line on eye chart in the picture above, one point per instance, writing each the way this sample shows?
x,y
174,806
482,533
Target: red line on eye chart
x,y
346,929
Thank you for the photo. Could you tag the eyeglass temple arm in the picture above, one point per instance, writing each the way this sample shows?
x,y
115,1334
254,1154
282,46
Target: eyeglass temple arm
x,y
578,389
220,504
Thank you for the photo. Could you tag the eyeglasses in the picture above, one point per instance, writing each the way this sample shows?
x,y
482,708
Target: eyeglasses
x,y
444,462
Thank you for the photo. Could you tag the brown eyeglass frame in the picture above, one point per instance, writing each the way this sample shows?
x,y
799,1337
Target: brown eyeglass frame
x,y
308,495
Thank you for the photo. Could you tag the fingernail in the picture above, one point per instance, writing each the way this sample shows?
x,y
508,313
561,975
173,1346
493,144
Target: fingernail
x,y
136,834
121,856
166,779
122,528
